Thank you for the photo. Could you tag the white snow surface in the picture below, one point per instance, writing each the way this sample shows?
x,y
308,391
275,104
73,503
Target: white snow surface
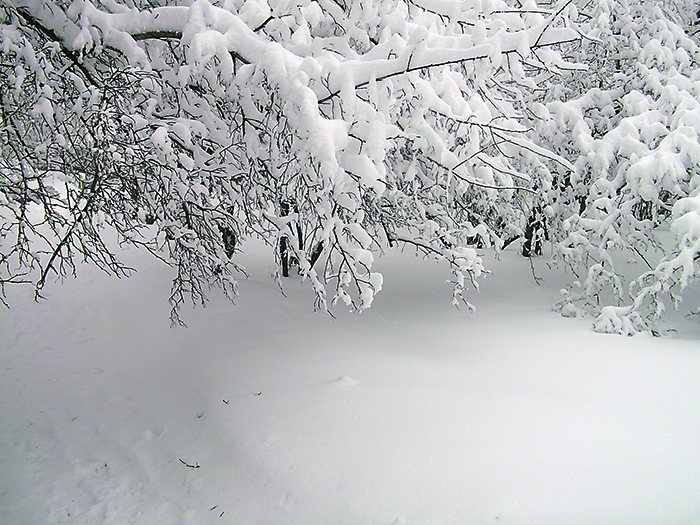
x,y
411,412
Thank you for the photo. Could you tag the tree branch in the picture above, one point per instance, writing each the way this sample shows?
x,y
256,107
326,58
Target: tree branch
x,y
51,35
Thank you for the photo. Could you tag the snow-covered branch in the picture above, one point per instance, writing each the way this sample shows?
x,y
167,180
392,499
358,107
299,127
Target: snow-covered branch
x,y
332,130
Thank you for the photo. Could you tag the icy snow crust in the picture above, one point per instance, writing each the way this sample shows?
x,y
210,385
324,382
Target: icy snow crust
x,y
411,412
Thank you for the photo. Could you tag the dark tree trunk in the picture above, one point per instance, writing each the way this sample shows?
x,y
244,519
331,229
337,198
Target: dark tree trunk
x,y
316,253
535,233
284,249
228,237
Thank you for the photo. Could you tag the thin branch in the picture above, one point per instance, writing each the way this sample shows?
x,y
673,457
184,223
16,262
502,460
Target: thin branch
x,y
538,280
407,69
51,35
551,21
188,465
262,26
157,35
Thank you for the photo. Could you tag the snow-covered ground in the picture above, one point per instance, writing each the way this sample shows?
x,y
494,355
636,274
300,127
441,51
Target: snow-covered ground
x,y
411,412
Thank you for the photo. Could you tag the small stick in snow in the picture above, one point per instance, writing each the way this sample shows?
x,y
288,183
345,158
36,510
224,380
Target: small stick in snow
x,y
196,465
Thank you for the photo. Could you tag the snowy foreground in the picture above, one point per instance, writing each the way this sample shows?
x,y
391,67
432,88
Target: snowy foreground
x,y
411,412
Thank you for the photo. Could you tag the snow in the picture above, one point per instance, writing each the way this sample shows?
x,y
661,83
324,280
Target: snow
x,y
411,412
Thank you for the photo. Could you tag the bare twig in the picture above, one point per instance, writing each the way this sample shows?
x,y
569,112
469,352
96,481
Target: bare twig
x,y
196,465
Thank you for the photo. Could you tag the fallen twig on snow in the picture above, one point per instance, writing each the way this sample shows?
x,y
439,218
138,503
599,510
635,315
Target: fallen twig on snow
x,y
196,465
